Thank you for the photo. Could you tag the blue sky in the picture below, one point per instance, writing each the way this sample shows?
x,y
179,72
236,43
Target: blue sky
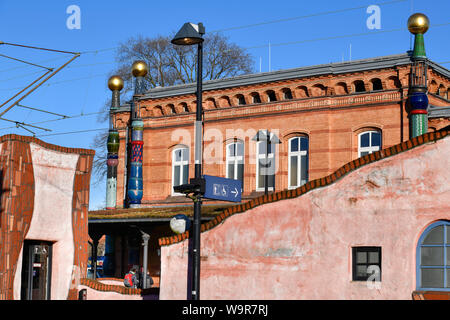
x,y
80,89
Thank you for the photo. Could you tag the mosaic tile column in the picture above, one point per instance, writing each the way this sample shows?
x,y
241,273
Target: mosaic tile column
x,y
115,84
135,179
417,96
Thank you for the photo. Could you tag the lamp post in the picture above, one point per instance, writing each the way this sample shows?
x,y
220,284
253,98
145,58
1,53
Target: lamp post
x,y
191,34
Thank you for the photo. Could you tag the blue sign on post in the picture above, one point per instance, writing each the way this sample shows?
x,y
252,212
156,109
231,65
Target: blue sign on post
x,y
219,188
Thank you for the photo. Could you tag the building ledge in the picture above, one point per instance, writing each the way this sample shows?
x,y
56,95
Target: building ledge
x,y
159,213
431,295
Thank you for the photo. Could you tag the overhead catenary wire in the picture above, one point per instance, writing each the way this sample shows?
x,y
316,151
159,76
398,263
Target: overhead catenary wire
x,y
41,110
19,123
26,62
59,119
362,34
304,16
72,132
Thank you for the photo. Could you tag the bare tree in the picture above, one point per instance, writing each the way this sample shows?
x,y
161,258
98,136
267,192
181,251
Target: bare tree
x,y
171,65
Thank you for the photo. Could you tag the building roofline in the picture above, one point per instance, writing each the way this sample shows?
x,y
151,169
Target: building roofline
x,y
438,112
295,73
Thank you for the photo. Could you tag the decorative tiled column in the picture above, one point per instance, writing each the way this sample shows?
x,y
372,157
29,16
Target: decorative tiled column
x,y
115,84
418,100
135,180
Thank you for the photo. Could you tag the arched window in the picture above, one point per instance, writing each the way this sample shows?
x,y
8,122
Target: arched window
x,y
441,91
184,107
241,100
224,102
210,104
302,92
359,86
433,258
298,161
271,96
158,111
180,166
368,142
376,84
287,94
341,88
235,161
265,165
256,98
171,109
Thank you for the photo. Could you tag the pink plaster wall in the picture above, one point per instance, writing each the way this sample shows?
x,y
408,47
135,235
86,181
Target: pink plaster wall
x,y
52,215
301,248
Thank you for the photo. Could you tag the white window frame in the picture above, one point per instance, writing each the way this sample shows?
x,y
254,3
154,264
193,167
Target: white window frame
x,y
263,156
234,160
180,163
370,148
299,154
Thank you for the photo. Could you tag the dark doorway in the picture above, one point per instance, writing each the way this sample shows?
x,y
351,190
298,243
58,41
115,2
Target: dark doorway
x,y
36,270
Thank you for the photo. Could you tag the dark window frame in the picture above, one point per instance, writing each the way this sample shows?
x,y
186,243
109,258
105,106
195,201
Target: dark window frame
x,y
355,264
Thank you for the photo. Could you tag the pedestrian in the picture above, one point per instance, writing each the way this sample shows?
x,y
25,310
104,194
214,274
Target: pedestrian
x,y
130,280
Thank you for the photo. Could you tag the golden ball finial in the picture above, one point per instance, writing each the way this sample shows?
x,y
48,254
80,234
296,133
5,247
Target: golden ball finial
x,y
139,68
418,23
115,83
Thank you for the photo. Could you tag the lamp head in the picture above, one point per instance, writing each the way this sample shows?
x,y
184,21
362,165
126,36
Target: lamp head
x,y
189,34
418,23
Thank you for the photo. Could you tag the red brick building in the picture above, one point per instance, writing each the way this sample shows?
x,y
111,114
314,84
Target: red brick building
x,y
324,116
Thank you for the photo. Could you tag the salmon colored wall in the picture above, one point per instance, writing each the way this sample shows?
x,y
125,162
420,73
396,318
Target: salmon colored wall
x,y
300,248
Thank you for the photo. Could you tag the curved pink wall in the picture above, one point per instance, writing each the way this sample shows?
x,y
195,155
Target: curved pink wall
x,y
52,215
300,248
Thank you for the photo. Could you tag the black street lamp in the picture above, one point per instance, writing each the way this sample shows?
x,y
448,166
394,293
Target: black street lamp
x,y
190,34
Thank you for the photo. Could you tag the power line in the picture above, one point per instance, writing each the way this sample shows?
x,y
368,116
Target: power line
x,y
59,119
40,110
266,45
26,62
71,132
303,17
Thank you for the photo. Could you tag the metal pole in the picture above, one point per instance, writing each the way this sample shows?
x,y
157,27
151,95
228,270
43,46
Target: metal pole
x,y
266,176
94,257
145,238
198,172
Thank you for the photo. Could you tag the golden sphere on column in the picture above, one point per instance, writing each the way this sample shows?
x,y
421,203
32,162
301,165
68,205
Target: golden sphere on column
x,y
418,23
115,83
139,68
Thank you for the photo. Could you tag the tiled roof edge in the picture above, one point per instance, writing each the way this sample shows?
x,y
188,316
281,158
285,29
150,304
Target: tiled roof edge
x,y
311,185
99,286
15,137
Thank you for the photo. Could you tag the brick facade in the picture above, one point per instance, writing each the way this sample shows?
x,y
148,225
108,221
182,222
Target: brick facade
x,y
330,108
